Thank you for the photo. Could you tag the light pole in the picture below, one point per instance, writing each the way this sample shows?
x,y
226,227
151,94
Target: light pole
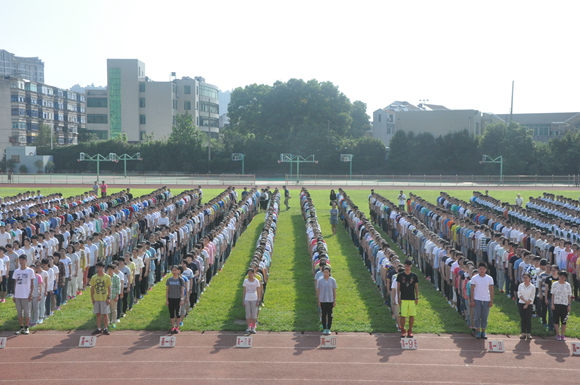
x,y
237,157
84,157
489,159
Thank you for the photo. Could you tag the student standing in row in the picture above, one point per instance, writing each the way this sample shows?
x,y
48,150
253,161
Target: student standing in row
x,y
561,303
174,297
334,217
481,299
252,297
526,296
23,287
408,292
286,197
326,293
100,296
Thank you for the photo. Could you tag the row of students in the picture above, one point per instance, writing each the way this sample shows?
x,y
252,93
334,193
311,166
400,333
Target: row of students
x,y
143,266
439,257
256,280
324,284
397,283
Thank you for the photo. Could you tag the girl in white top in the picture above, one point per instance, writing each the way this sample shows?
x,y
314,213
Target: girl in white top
x,y
526,295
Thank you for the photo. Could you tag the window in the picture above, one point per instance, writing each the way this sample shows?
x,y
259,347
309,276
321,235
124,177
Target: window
x,y
60,105
142,119
187,105
97,118
174,104
82,109
197,105
209,92
187,90
46,115
18,111
16,158
204,122
142,102
19,125
60,93
82,98
97,102
174,120
84,119
32,126
31,87
211,107
389,130
142,87
379,117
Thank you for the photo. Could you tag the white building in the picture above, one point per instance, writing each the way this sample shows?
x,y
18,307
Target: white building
x,y
30,68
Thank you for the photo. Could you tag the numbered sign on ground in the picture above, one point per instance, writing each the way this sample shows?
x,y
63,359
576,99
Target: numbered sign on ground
x,y
2,342
328,342
495,346
87,342
244,342
576,348
167,342
409,343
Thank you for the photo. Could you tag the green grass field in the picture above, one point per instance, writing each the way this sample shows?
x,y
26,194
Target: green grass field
x,y
290,301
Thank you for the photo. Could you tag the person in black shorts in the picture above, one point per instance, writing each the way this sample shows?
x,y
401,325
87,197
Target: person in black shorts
x,y
174,297
561,303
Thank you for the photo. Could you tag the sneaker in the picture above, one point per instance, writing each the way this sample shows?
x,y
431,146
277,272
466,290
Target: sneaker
x,y
483,335
32,324
253,331
172,331
26,331
41,320
176,331
529,336
562,337
522,336
181,324
96,332
58,308
106,332
409,334
478,335
118,321
114,326
403,333
248,330
3,301
18,332
558,338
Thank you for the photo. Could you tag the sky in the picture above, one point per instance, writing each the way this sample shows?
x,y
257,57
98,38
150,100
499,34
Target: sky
x,y
460,54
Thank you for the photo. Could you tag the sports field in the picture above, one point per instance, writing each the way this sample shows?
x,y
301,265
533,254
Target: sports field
x,y
290,301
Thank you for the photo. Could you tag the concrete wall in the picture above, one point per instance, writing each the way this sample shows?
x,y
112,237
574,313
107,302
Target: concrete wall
x,y
28,157
5,112
158,109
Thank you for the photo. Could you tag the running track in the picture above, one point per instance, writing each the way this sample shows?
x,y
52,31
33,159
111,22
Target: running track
x,y
281,358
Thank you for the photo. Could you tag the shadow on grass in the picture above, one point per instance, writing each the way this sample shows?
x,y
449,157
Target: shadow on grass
x,y
362,278
235,307
306,314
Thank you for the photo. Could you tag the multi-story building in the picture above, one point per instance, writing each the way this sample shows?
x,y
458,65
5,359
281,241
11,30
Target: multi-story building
x,y
545,125
437,120
140,107
30,68
26,105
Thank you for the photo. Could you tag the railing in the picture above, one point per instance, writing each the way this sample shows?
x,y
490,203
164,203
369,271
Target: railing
x,y
435,180
132,179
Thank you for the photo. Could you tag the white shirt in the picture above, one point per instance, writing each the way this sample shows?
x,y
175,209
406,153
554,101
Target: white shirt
x,y
528,293
480,286
23,279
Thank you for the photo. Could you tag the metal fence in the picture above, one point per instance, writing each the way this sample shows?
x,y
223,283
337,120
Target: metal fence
x,y
434,180
134,179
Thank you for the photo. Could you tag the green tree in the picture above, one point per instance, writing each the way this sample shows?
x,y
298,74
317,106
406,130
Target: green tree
x,y
360,120
184,132
10,165
514,142
50,166
86,137
23,169
39,164
43,138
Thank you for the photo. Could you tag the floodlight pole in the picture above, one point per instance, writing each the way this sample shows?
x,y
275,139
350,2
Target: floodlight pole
x,y
126,157
499,159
